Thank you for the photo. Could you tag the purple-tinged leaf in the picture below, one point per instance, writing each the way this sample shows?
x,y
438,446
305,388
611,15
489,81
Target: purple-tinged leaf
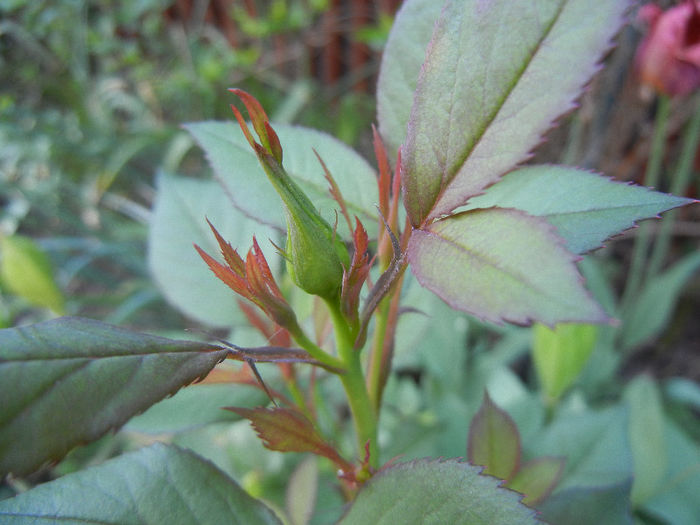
x,y
537,478
401,61
494,80
288,430
502,265
586,208
69,381
494,441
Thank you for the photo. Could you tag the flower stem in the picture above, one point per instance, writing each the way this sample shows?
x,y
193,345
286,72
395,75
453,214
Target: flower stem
x,y
363,413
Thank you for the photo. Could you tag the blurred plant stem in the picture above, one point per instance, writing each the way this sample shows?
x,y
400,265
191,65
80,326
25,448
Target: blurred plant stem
x,y
651,178
679,185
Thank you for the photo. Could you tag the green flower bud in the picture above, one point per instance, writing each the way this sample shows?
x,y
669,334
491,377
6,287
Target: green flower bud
x,y
315,255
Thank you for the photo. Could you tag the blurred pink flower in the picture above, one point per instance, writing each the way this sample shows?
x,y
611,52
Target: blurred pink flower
x,y
668,59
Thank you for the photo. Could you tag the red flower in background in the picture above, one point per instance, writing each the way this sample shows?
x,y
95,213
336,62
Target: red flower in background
x,y
668,59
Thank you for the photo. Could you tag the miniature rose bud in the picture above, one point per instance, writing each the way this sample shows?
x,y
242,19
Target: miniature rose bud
x,y
668,59
315,255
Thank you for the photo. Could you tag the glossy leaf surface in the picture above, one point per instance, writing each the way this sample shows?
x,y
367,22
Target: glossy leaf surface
x,y
501,265
154,485
179,220
237,167
69,381
436,491
585,208
494,442
493,81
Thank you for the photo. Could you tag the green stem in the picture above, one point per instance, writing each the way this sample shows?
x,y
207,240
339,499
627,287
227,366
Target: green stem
x,y
314,350
678,187
651,178
374,380
363,413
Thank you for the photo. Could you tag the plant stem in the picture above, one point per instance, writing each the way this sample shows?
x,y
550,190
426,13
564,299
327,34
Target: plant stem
x,y
363,413
374,379
678,186
651,178
314,350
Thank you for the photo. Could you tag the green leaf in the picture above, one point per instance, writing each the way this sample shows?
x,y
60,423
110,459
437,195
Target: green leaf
x,y
178,221
436,491
154,485
401,61
70,380
586,208
595,445
646,435
537,479
302,490
27,272
651,312
676,499
494,441
559,355
493,81
501,265
237,167
602,505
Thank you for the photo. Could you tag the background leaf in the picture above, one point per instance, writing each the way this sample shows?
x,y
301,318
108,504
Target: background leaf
x,y
69,381
537,478
154,485
675,500
436,491
586,208
302,491
26,271
494,442
237,167
560,354
493,81
646,435
193,407
594,443
651,312
177,222
501,265
604,505
402,58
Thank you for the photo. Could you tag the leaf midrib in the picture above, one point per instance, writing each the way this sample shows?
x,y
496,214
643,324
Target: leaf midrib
x,y
507,94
